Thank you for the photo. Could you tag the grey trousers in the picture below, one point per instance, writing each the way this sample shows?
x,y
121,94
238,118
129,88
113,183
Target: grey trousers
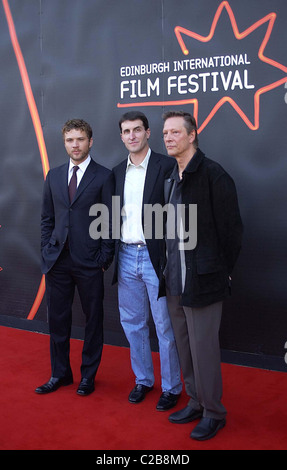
x,y
196,332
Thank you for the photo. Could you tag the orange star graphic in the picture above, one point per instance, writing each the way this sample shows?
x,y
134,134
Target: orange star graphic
x,y
179,31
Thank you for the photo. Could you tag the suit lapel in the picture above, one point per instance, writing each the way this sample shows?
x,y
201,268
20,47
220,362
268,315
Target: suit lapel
x,y
167,189
88,176
153,170
120,181
63,182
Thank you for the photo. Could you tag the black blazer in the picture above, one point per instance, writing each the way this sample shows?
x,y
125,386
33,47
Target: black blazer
x,y
60,219
159,168
219,230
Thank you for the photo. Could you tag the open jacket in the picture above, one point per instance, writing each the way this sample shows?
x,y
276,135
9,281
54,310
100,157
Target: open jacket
x,y
219,230
159,167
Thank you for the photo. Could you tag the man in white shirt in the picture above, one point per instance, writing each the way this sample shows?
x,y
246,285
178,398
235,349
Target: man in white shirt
x,y
139,263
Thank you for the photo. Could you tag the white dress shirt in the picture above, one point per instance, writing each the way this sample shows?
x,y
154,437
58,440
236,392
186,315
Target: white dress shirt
x,y
132,230
80,173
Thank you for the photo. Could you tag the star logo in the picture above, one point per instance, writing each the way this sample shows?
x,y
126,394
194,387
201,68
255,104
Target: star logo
x,y
241,88
240,36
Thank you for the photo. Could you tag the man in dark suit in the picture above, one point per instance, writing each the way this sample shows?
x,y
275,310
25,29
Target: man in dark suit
x,y
71,258
139,262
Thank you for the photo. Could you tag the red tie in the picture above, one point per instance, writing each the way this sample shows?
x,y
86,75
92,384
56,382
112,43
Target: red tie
x,y
73,184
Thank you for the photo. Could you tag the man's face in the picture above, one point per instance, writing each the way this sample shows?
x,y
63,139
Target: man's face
x,y
134,136
177,141
77,145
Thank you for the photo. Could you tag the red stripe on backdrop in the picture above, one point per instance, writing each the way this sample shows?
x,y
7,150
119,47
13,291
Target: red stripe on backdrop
x,y
255,400
36,123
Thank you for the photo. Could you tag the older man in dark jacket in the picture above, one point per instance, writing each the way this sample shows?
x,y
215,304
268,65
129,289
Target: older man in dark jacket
x,y
198,276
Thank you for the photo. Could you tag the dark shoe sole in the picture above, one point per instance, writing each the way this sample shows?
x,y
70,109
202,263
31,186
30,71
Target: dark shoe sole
x,y
85,393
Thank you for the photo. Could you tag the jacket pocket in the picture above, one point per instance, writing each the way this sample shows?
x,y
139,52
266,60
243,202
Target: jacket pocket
x,y
53,241
208,265
210,275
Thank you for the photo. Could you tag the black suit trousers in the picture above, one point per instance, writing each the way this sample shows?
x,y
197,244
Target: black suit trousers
x,y
61,282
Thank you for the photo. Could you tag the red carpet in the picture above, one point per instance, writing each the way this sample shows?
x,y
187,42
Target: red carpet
x,y
255,400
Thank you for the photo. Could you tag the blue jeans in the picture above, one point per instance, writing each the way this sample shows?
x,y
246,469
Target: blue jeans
x,y
138,294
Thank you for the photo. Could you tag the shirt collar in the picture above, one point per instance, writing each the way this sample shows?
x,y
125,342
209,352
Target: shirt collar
x,y
190,167
194,162
174,175
143,164
83,166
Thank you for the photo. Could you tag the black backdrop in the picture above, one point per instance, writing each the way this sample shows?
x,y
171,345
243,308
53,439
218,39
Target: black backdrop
x,y
80,58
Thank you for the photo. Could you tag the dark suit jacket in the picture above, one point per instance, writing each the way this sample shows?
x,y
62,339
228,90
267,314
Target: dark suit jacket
x,y
60,219
219,230
159,167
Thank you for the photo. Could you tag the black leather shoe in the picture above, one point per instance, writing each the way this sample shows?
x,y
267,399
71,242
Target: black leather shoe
x,y
138,393
167,400
186,415
53,384
86,387
207,428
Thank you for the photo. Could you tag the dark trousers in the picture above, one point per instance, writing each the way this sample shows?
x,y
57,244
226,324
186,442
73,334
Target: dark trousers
x,y
61,282
196,332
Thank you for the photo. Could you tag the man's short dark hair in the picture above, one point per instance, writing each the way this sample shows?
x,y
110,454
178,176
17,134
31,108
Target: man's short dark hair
x,y
133,116
78,124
